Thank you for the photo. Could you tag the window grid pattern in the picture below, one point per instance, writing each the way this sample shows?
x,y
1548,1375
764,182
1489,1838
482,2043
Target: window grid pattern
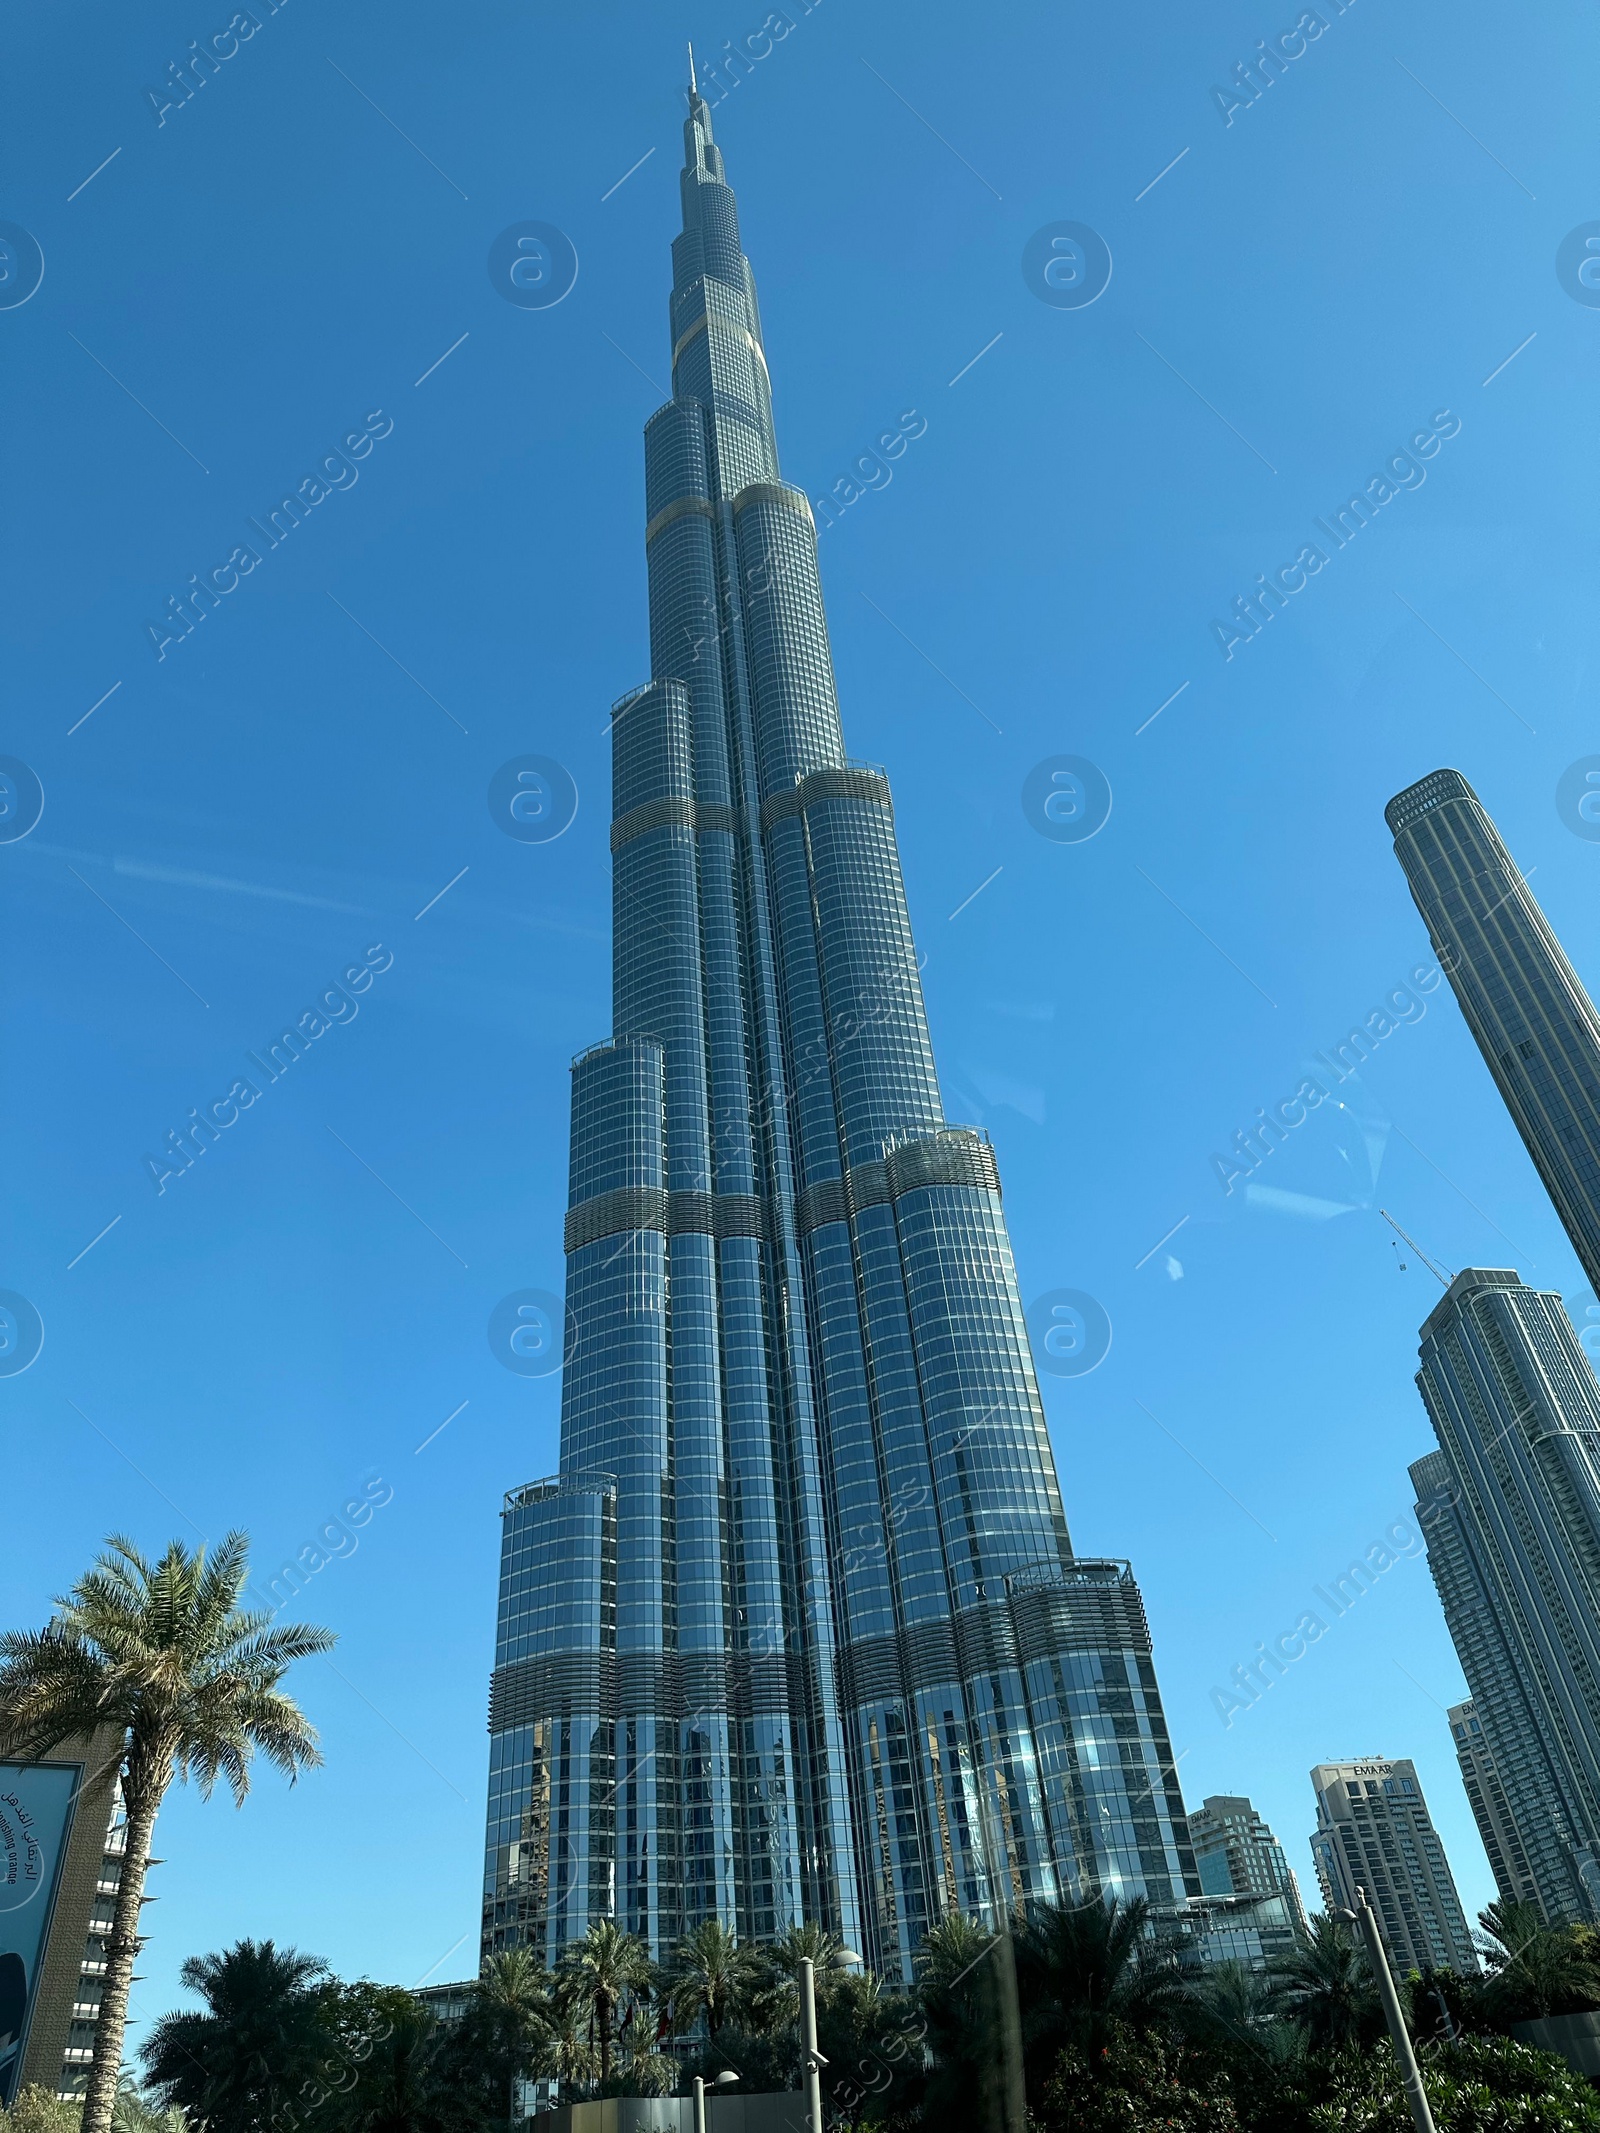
x,y
786,644
1374,1832
1511,1505
884,1075
822,1651
1536,1026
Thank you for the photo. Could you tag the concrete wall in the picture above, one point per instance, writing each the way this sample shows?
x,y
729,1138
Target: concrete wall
x,y
675,2114
1576,2037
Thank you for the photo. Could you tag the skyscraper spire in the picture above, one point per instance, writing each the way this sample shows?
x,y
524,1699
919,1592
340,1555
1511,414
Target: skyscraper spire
x,y
799,1618
694,86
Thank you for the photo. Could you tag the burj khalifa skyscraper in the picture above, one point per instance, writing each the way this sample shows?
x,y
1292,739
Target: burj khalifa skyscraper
x,y
796,1633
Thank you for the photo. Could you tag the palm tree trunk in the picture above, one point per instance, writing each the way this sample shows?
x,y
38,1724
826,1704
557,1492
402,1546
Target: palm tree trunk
x,y
141,1801
603,2010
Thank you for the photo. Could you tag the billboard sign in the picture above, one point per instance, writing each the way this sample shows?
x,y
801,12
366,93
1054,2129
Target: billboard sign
x,y
36,1805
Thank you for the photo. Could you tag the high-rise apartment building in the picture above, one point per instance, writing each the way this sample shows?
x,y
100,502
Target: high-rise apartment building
x,y
1491,1808
1511,1509
1536,1026
1236,1854
1250,1908
797,1631
1374,1832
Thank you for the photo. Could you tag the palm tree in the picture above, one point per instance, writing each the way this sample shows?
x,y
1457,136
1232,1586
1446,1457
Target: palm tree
x,y
875,2041
711,1974
564,2052
163,1653
1232,1996
643,2068
1083,1966
1232,2009
513,2015
772,1989
1535,1969
1326,1988
135,2113
263,2030
795,1943
1510,1927
961,2015
598,1973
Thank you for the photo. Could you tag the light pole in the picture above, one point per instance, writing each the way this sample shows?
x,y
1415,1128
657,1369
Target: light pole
x,y
724,2080
1410,2072
845,1959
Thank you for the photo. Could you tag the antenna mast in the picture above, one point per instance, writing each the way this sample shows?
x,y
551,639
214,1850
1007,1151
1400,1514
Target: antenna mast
x,y
1441,1275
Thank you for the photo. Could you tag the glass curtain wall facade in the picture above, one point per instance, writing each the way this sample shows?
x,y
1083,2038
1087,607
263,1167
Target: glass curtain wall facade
x,y
1236,1854
1250,1910
1536,1026
1511,1506
797,1632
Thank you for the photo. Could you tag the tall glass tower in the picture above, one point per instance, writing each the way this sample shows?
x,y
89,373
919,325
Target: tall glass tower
x,y
1510,1503
1536,1026
796,1633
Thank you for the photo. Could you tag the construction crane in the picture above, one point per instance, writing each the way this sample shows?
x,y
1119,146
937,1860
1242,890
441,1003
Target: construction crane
x,y
1441,1275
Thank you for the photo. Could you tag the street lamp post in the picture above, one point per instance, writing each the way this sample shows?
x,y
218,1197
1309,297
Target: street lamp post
x,y
724,2080
1410,2073
845,1959
814,2061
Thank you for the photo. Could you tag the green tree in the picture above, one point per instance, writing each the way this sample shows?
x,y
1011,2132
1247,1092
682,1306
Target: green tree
x,y
771,2002
513,2019
1083,1966
601,1974
358,2076
766,2061
1136,2080
1229,2017
416,2078
959,2004
35,2110
1484,2084
1481,2085
566,2052
1229,1999
135,2112
873,2042
162,1652
1536,1969
642,2068
239,2064
1442,2005
1325,1987
710,1975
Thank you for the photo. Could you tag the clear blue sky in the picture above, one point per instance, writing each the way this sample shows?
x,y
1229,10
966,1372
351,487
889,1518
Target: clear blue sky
x,y
1289,304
